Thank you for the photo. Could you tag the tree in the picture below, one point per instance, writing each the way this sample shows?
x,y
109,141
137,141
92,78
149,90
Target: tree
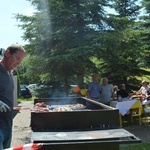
x,y
61,37
145,27
66,36
120,46
126,8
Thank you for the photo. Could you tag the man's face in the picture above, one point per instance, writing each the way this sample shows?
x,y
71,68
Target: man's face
x,y
95,78
13,60
144,84
105,81
123,87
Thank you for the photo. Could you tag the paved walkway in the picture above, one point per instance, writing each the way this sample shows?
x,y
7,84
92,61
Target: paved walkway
x,y
21,125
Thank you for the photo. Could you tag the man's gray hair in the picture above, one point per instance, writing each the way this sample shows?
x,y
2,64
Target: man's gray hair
x,y
15,48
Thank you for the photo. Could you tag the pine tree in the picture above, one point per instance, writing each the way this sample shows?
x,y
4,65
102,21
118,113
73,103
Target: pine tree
x,y
121,44
62,37
145,25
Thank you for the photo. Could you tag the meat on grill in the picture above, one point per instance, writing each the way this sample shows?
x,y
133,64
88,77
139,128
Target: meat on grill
x,y
43,107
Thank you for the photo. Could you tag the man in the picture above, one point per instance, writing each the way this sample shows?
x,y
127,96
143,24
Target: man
x,y
93,91
122,93
13,56
94,88
107,92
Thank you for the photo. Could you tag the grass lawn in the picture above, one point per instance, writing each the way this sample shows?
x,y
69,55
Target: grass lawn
x,y
140,146
25,99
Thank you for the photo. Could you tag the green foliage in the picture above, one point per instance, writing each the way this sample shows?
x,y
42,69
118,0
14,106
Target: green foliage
x,y
121,48
126,8
145,27
19,100
70,40
120,55
61,36
141,146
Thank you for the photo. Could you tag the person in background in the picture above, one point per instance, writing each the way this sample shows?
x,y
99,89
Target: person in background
x,y
115,91
93,90
122,93
107,92
13,56
144,90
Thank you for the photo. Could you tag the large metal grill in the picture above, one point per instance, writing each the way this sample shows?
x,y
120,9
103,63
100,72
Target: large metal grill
x,y
91,127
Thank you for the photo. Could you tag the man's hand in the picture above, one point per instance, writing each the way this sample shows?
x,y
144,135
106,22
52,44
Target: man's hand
x,y
4,107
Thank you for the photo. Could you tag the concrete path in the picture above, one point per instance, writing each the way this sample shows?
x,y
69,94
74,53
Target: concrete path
x,y
21,125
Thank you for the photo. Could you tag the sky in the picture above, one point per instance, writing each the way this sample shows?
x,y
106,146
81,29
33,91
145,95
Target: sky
x,y
9,32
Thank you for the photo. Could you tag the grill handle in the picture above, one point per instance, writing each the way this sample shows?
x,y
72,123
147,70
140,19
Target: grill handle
x,y
129,140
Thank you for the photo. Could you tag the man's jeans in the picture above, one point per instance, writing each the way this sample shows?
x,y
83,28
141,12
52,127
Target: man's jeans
x,y
5,138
